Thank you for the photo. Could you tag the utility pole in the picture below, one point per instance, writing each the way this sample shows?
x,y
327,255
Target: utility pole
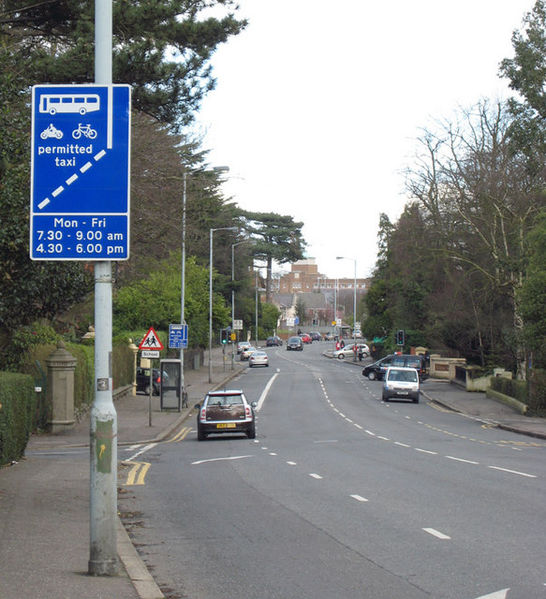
x,y
103,558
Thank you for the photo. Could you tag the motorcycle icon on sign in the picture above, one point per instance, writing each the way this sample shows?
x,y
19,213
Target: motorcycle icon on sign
x,y
51,131
84,130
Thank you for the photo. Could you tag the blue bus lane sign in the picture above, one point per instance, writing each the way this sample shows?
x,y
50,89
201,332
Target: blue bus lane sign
x,y
80,201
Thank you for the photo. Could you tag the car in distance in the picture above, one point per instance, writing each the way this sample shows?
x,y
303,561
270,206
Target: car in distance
x,y
245,354
348,351
377,370
294,344
401,382
258,358
273,342
143,380
306,338
242,345
226,411
316,336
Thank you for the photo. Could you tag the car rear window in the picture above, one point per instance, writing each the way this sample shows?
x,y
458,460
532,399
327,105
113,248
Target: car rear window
x,y
225,400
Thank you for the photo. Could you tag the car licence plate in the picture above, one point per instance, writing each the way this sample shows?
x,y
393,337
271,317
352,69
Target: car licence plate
x,y
226,425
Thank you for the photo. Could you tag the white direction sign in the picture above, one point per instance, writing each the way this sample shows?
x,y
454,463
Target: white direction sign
x,y
80,172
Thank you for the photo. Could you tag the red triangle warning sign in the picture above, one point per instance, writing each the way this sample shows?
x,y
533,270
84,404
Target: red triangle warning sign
x,y
151,341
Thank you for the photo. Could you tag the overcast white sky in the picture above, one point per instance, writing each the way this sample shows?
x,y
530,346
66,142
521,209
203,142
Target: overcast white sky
x,y
318,106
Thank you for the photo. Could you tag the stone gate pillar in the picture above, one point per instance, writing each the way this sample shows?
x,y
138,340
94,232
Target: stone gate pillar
x,y
60,389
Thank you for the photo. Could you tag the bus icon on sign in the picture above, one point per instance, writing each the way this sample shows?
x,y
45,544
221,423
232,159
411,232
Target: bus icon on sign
x,y
67,103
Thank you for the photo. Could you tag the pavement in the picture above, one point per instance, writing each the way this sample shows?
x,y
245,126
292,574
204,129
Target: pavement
x,y
44,498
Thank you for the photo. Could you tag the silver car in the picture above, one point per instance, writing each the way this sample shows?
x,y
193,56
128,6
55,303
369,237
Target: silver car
x,y
258,358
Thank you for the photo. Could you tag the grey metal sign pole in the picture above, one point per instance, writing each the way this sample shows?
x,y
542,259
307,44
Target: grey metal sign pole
x,y
103,560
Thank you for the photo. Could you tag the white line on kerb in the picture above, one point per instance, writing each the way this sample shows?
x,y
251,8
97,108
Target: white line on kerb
x,y
513,471
436,533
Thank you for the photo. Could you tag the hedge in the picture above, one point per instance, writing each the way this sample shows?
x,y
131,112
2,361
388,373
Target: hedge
x,y
17,409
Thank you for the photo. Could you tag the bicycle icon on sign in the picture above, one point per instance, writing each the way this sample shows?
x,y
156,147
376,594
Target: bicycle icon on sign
x,y
84,130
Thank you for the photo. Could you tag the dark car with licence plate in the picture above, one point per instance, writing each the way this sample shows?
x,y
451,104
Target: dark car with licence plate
x,y
226,411
377,370
294,344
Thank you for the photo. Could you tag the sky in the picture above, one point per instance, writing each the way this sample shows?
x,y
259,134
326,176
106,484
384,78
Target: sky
x,y
318,107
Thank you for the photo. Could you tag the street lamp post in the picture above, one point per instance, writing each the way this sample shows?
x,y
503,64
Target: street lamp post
x,y
233,296
354,304
183,279
210,291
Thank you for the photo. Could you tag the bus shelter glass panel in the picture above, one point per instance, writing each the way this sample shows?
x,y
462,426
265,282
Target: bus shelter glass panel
x,y
170,384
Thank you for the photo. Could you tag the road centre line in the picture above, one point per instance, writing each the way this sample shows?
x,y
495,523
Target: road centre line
x,y
359,498
450,457
437,534
426,451
512,471
315,475
401,444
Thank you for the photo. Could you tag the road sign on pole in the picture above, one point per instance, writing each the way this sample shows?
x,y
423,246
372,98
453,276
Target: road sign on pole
x,y
80,172
178,336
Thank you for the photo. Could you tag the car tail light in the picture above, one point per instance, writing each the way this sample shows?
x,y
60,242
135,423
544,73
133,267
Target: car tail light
x,y
248,412
203,414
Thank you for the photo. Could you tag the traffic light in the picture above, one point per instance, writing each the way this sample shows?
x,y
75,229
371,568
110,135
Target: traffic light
x,y
224,335
400,337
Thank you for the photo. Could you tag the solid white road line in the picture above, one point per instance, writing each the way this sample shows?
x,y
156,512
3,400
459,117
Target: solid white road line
x,y
235,457
266,391
317,476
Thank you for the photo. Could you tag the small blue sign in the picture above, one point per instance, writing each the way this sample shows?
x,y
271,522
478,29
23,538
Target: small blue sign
x,y
178,336
80,172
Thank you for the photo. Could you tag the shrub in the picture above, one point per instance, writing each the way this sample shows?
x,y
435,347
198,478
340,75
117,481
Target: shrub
x,y
537,391
17,408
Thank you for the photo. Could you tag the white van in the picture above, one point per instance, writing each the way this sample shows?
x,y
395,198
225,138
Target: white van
x,y
401,382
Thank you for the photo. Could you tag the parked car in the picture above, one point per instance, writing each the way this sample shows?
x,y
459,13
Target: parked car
x,y
294,344
242,345
316,336
273,341
247,351
401,382
328,336
306,338
143,380
226,411
258,358
347,351
378,369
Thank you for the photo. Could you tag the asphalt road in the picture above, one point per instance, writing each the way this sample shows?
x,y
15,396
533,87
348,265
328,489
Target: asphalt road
x,y
342,495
